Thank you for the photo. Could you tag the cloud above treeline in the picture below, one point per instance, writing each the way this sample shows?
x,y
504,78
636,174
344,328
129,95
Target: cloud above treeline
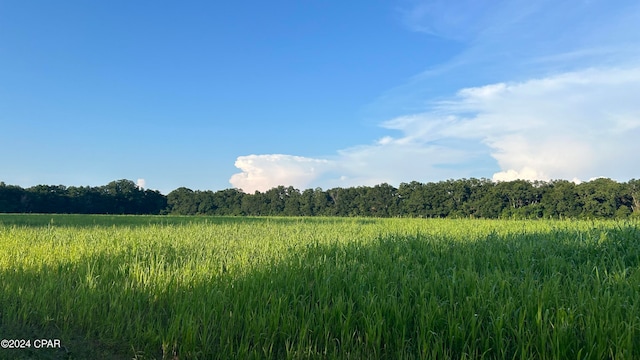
x,y
554,102
263,172
574,125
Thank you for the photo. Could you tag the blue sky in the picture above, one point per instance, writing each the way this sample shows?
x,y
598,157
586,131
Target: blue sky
x,y
254,94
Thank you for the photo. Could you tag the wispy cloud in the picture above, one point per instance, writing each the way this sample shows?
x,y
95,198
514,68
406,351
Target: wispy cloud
x,y
519,39
461,20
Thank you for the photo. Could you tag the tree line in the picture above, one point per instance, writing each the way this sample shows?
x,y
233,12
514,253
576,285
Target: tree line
x,y
117,197
476,198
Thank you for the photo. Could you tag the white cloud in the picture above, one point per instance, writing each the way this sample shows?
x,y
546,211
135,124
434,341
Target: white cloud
x,y
575,125
525,173
141,183
385,140
263,172
388,160
395,162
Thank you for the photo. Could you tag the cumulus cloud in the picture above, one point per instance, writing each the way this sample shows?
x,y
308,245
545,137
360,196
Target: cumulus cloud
x,y
575,125
388,160
141,183
524,173
263,172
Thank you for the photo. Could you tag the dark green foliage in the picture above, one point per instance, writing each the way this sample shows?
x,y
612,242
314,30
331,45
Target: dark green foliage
x,y
464,198
474,198
117,197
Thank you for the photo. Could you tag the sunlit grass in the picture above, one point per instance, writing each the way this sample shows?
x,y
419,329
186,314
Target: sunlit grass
x,y
201,288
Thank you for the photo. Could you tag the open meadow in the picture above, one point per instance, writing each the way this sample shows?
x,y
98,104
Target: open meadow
x,y
161,287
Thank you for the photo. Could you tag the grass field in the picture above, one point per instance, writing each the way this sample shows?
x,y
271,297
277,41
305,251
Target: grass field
x,y
161,287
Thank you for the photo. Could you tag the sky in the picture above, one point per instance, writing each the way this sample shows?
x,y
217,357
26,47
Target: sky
x,y
317,93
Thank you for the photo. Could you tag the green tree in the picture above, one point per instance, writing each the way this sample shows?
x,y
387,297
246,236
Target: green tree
x,y
382,200
206,202
306,203
599,198
182,201
153,202
632,192
10,198
254,204
292,202
125,197
343,202
229,202
412,199
521,197
474,206
321,202
560,200
492,203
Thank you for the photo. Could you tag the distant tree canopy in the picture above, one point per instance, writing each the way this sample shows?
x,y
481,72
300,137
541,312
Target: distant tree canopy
x,y
117,197
476,198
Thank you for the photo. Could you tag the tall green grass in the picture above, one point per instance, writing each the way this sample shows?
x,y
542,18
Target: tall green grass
x,y
324,288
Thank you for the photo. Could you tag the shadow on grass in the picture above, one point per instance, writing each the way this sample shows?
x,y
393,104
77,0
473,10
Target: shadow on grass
x,y
501,296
